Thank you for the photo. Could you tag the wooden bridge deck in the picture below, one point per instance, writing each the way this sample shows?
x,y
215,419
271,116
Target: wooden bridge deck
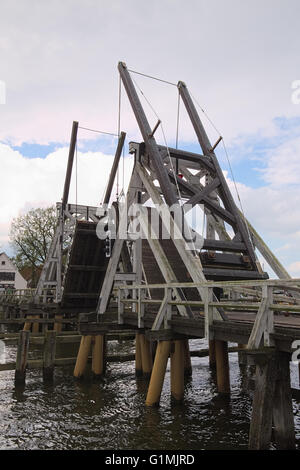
x,y
237,329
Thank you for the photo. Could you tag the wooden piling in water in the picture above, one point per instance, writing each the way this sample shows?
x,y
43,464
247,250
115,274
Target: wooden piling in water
x,y
22,355
98,356
146,355
49,356
82,356
212,353
187,359
158,373
27,324
222,364
138,356
58,325
272,403
283,418
177,370
35,325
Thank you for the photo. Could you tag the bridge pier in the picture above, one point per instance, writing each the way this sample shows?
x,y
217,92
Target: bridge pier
x,y
177,370
272,403
82,356
212,353
187,359
138,356
158,373
58,326
146,355
98,356
222,364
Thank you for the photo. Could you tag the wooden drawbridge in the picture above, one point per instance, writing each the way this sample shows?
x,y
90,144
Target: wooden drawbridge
x,y
171,289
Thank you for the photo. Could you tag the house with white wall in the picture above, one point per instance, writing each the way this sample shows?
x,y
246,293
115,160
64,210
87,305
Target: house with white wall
x,y
9,274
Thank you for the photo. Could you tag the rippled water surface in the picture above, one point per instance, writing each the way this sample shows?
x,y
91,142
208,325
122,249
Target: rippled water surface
x,y
111,414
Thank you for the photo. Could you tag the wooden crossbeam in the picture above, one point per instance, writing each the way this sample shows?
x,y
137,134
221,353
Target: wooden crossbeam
x,y
198,197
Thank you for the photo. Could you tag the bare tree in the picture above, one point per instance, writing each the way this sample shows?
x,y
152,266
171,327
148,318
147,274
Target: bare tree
x,y
30,237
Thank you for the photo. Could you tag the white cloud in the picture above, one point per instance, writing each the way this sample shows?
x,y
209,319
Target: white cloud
x,y
283,164
295,269
37,182
59,62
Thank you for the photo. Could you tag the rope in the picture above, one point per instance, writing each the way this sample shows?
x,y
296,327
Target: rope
x,y
76,178
119,130
99,132
153,78
177,120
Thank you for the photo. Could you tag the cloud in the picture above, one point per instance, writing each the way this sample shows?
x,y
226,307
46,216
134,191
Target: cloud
x,y
274,213
38,182
59,63
295,269
283,164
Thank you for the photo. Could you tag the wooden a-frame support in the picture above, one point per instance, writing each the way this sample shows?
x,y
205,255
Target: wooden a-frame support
x,y
52,275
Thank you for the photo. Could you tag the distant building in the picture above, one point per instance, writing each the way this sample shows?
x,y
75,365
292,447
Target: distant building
x,y
9,275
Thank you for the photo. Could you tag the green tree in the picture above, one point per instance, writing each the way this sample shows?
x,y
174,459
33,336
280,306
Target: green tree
x,y
30,237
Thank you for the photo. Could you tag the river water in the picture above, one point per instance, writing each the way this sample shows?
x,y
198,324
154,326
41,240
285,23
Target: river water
x,y
111,414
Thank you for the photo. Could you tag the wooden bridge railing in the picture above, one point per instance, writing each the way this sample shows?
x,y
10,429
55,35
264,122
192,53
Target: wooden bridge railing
x,y
18,296
264,300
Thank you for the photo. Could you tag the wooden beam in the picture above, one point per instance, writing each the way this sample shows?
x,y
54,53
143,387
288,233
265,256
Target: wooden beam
x,y
146,132
114,167
262,408
198,197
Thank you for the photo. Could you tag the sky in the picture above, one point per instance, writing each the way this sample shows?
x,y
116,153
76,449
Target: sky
x,y
239,59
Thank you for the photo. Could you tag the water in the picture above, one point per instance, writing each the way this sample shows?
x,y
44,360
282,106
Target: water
x,y
111,414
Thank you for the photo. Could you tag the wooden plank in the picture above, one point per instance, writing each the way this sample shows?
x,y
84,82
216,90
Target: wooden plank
x,y
81,267
163,263
212,206
224,191
179,154
150,142
227,273
283,418
260,323
262,409
198,197
49,355
224,245
22,355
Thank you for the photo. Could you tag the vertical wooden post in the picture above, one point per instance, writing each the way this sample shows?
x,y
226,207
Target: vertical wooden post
x,y
27,324
22,354
222,362
187,359
212,353
158,373
35,326
283,418
261,419
177,370
82,356
98,356
49,355
138,356
146,355
58,326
